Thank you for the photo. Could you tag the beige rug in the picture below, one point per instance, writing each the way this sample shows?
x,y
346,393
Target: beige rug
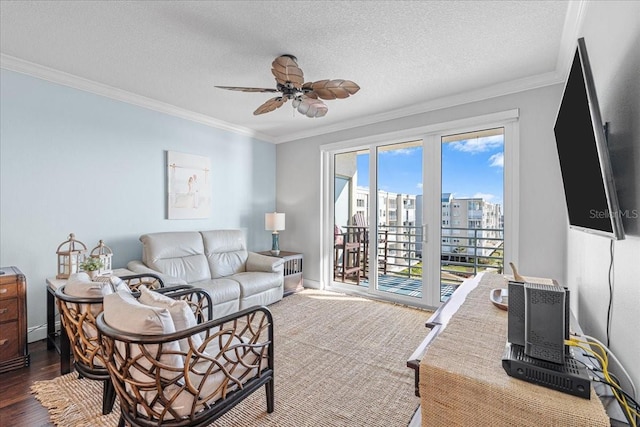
x,y
340,361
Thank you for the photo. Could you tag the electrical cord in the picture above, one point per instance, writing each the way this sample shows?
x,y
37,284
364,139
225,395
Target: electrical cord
x,y
623,398
609,308
615,359
634,408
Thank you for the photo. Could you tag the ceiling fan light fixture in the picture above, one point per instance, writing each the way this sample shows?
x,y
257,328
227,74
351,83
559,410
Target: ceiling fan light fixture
x,y
310,107
290,83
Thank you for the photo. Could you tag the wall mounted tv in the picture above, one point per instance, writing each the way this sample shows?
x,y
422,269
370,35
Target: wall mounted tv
x,y
589,188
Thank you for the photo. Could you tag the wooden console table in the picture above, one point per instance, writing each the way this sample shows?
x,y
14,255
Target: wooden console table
x,y
460,378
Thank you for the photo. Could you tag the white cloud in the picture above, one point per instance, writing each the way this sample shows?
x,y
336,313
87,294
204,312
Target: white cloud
x,y
478,145
399,152
497,160
485,196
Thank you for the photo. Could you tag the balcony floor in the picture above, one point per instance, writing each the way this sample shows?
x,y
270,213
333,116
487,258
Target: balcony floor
x,y
405,286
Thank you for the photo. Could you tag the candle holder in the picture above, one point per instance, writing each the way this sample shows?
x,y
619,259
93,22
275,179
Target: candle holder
x,y
70,254
104,254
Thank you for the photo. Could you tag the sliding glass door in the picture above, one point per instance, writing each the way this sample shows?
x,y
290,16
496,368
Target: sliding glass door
x,y
398,227
378,234
471,206
413,219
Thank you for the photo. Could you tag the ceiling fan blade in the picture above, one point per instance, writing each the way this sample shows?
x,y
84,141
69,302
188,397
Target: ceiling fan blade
x,y
331,89
285,69
310,107
248,89
270,105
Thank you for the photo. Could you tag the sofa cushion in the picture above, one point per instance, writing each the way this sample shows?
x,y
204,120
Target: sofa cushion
x,y
221,290
178,253
252,282
226,252
266,263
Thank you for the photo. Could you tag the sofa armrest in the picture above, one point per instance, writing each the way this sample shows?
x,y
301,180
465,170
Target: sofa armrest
x,y
268,264
139,267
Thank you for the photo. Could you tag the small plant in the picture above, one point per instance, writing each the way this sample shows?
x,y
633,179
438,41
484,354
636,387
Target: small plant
x,y
91,264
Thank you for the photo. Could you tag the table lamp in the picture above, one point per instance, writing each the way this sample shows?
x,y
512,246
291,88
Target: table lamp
x,y
274,222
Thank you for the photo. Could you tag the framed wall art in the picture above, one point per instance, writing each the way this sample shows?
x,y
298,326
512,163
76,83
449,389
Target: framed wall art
x,y
188,186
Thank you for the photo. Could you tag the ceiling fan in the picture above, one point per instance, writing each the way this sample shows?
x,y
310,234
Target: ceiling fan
x,y
304,96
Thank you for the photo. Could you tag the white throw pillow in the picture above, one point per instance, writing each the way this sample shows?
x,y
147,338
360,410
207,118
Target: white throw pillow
x,y
80,285
181,314
124,312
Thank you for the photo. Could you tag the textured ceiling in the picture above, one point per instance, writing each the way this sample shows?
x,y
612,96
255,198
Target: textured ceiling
x,y
407,56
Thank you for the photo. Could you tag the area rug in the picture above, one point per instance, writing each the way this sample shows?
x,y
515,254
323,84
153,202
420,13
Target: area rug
x,y
340,361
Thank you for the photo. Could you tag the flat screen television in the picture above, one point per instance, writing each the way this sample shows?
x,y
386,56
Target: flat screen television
x,y
581,140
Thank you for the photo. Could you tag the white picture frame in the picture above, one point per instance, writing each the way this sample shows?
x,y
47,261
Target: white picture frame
x,y
188,186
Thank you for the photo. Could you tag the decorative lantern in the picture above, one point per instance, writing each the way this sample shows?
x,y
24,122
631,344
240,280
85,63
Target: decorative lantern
x,y
104,253
70,254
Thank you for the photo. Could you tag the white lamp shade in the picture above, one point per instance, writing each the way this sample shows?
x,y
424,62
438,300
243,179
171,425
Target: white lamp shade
x,y
274,221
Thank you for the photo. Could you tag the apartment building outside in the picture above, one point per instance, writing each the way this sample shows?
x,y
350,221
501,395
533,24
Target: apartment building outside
x,y
470,226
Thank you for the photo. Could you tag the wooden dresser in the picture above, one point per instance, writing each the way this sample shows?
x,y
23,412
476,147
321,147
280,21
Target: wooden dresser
x,y
13,319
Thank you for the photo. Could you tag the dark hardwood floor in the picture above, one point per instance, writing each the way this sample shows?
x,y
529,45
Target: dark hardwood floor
x,y
18,407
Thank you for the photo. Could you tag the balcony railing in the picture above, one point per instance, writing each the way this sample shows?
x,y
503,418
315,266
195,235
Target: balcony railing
x,y
464,252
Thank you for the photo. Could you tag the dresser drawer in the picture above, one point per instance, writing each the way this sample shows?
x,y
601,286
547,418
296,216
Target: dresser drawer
x,y
8,290
9,341
8,309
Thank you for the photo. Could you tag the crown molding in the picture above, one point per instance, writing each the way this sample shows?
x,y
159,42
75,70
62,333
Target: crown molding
x,y
507,88
570,33
19,65
12,63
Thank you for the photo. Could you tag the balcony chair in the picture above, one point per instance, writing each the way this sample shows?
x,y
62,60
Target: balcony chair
x,y
79,302
360,226
176,367
347,254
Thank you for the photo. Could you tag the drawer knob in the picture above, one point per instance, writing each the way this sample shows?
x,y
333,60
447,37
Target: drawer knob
x,y
3,290
4,341
3,310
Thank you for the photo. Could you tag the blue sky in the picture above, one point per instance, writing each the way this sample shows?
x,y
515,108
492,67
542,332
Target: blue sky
x,y
470,168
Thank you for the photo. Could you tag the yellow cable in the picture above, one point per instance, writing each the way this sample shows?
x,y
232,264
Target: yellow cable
x,y
604,364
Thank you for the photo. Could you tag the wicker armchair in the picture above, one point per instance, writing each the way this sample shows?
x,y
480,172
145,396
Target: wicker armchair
x,y
192,376
78,318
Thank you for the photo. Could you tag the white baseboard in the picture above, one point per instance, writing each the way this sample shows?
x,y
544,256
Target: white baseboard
x,y
37,333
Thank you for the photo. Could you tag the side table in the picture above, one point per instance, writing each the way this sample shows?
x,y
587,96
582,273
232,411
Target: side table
x,y
293,280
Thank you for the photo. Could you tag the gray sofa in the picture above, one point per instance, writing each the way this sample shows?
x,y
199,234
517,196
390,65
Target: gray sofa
x,y
217,261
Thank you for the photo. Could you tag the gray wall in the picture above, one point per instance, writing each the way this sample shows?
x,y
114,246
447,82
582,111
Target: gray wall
x,y
72,161
612,36
547,247
542,218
